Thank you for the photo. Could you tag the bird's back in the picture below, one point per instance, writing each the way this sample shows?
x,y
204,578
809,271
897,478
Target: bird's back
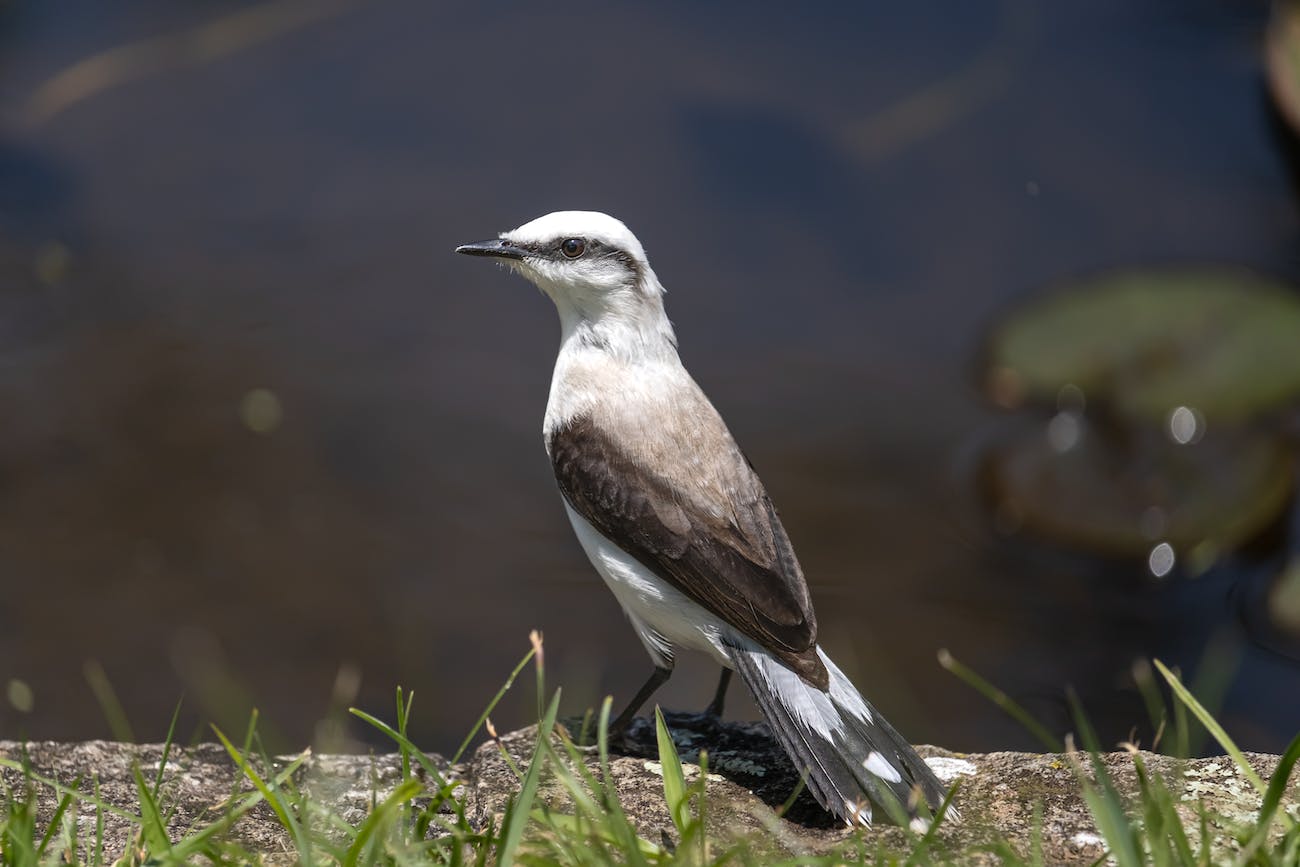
x,y
641,453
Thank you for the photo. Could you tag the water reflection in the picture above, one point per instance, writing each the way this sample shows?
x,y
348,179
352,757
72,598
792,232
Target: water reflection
x,y
1161,560
1186,425
1063,431
259,419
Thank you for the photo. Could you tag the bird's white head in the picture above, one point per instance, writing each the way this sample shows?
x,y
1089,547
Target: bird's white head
x,y
596,272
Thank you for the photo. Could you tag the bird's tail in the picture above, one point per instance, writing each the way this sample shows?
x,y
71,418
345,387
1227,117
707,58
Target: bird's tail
x,y
852,756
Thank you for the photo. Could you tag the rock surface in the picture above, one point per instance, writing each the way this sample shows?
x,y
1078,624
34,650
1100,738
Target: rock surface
x,y
749,777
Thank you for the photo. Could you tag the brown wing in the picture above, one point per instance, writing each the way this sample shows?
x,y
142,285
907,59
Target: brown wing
x,y
740,567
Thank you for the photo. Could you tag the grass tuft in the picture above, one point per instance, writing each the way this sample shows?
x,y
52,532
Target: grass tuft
x,y
568,810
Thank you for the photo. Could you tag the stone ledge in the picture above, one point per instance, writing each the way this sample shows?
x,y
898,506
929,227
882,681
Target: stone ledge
x,y
748,776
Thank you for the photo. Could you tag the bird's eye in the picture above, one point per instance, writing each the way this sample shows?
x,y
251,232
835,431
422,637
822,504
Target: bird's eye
x,y
573,247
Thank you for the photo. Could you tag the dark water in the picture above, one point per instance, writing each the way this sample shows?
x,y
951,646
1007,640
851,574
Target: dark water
x,y
840,202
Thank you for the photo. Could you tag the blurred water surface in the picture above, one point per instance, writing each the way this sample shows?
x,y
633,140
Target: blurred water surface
x,y
266,438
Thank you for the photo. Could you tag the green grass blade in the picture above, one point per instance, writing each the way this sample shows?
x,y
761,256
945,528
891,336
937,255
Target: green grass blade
x,y
1103,799
602,739
97,853
108,703
1278,782
575,829
250,731
1114,828
1272,798
1212,726
1182,732
632,842
196,843
167,749
68,835
403,741
1144,679
382,814
674,779
1220,660
921,849
403,723
273,800
1203,825
151,821
517,815
575,769
403,717
1002,700
496,699
590,818
699,824
1164,827
1036,836
583,801
61,789
596,804
16,846
54,820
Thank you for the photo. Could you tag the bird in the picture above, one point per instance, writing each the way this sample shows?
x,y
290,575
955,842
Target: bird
x,y
674,518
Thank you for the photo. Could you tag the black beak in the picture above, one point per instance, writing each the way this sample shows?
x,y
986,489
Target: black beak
x,y
501,249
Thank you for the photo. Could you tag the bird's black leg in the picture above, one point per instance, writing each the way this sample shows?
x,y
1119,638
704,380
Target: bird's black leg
x,y
720,697
657,679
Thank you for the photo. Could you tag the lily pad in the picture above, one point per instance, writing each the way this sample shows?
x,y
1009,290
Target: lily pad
x,y
1282,57
1139,344
1125,497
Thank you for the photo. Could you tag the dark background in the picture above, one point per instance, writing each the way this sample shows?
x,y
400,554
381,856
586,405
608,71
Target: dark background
x,y
201,199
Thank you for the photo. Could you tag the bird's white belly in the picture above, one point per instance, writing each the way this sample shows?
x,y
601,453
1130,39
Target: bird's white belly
x,y
663,616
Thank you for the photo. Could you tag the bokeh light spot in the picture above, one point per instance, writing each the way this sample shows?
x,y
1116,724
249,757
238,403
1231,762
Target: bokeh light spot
x,y
1284,597
1161,560
20,695
261,411
1185,426
51,262
1063,432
